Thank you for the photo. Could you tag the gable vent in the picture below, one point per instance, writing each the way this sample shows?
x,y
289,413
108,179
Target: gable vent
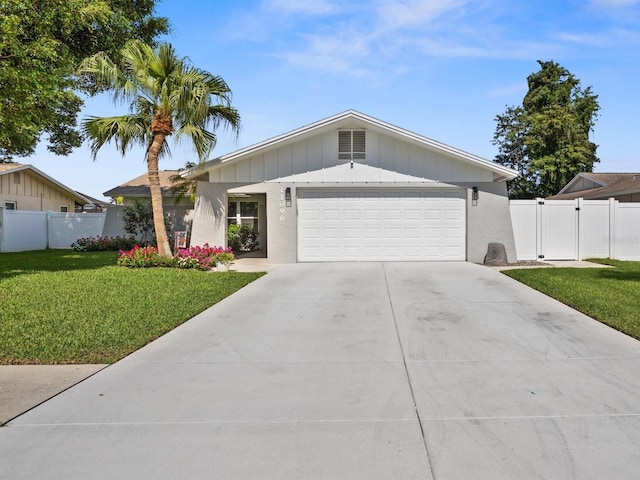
x,y
351,145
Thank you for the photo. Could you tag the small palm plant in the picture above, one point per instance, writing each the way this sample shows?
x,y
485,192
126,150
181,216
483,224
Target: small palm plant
x,y
166,96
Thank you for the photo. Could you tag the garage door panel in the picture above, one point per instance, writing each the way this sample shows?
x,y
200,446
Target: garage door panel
x,y
373,233
380,224
352,233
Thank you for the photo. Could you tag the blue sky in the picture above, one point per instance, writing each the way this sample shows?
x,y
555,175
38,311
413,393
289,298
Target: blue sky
x,y
441,68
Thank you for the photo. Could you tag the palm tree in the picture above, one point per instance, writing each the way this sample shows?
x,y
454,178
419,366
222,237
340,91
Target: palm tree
x,y
167,96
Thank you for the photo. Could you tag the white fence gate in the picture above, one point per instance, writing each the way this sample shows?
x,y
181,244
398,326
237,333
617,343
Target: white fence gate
x,y
575,229
23,230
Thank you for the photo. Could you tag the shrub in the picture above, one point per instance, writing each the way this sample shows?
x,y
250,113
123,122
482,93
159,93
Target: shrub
x,y
202,258
144,257
242,238
103,244
225,256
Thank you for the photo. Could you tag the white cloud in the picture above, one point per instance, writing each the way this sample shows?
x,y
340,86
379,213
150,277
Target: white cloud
x,y
370,41
402,14
590,39
614,37
338,54
445,47
375,38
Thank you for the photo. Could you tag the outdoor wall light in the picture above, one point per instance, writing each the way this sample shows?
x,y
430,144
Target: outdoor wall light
x,y
287,196
474,196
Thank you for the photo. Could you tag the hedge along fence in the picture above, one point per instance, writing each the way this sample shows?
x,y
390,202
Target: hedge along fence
x,y
23,230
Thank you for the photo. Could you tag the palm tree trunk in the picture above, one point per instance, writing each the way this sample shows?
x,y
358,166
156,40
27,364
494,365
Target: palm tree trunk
x,y
156,194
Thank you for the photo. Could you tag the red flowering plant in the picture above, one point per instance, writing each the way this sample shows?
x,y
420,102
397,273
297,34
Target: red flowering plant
x,y
143,257
224,255
201,258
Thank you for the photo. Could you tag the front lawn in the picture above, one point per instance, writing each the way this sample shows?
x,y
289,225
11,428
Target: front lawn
x,y
610,295
60,306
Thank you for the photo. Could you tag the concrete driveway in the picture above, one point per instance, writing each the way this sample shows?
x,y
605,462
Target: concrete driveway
x,y
354,371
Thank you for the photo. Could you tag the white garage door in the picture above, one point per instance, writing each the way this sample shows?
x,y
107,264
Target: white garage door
x,y
380,224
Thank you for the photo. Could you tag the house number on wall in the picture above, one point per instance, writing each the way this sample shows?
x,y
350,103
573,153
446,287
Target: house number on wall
x,y
282,204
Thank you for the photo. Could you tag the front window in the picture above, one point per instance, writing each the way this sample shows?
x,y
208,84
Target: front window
x,y
242,212
11,205
64,208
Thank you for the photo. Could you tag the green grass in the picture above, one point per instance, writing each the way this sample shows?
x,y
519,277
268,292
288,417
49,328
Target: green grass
x,y
610,295
59,306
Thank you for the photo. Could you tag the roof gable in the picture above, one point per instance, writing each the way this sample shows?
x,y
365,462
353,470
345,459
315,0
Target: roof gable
x,y
350,119
139,186
602,186
7,168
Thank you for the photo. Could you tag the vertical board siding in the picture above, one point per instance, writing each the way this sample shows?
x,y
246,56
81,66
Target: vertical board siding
x,y
313,152
33,192
257,169
244,171
392,160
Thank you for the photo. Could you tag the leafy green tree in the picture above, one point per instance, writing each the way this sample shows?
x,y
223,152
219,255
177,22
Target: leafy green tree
x,y
167,96
138,221
41,44
547,138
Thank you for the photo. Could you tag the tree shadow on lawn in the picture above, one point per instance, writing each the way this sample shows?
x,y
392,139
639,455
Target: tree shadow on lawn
x,y
619,274
21,263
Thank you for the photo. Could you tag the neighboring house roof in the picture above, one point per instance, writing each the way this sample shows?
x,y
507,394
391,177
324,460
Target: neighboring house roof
x,y
500,172
599,186
6,168
139,186
95,201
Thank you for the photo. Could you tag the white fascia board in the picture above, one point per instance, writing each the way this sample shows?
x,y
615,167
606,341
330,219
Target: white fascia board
x,y
500,172
72,192
251,149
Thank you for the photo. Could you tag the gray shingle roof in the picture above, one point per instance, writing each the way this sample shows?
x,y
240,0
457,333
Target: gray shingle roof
x,y
139,186
612,184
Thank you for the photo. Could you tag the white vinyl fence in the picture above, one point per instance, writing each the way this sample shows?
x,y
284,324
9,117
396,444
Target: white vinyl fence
x,y
22,230
576,229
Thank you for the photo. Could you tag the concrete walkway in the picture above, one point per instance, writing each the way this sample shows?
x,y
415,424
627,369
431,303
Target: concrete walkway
x,y
23,387
354,371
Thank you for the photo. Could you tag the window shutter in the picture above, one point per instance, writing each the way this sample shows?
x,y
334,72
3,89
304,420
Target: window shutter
x,y
344,145
358,145
351,145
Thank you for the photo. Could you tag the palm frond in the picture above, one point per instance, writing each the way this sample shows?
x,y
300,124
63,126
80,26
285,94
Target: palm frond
x,y
225,117
203,140
196,102
125,130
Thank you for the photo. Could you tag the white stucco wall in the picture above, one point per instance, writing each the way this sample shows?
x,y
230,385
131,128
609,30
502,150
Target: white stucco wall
x,y
309,158
488,221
